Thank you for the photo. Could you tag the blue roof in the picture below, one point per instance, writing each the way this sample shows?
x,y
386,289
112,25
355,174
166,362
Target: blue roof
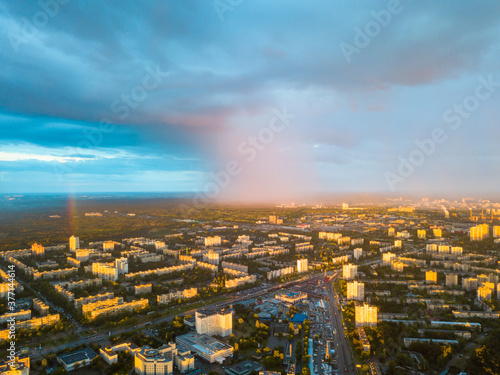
x,y
299,318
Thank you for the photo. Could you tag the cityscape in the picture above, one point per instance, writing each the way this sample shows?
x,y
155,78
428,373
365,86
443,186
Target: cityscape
x,y
249,187
390,288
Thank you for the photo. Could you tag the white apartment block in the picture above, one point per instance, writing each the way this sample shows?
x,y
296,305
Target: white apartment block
x,y
213,241
358,253
387,258
302,265
82,255
451,279
179,294
233,283
479,232
74,243
329,236
366,315
213,323
355,291
349,271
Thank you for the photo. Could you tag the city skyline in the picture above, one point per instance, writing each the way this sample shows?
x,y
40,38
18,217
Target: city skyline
x,y
390,98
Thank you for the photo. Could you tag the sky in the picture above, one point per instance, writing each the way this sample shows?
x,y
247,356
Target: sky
x,y
249,100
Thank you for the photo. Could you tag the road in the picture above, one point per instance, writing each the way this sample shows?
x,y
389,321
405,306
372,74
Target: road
x,y
345,359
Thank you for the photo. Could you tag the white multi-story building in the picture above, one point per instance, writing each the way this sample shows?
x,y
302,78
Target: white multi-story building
x,y
213,241
108,246
212,258
387,258
105,271
496,231
356,291
366,315
479,232
349,271
219,322
302,265
398,244
37,250
485,291
74,243
329,236
358,253
431,277
451,279
469,283
82,255
233,283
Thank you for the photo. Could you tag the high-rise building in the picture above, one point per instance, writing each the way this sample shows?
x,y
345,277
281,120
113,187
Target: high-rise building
x,y
302,265
345,206
358,253
74,243
366,315
37,250
485,292
451,279
387,258
349,271
422,234
356,291
431,277
437,232
398,244
496,231
219,322
213,241
479,232
469,283
391,232
108,246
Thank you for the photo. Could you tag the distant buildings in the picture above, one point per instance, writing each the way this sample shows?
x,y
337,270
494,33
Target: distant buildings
x,y
143,288
356,291
302,265
74,243
479,232
213,241
349,271
431,277
422,234
451,279
366,315
179,294
387,258
233,283
218,322
329,236
37,250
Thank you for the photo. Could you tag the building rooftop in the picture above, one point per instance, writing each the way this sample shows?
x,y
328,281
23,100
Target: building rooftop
x,y
69,359
244,368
